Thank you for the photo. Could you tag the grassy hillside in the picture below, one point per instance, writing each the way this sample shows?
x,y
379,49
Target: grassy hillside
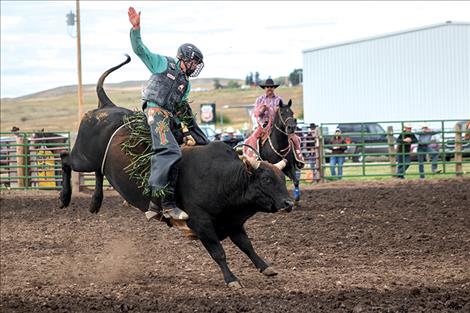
x,y
57,109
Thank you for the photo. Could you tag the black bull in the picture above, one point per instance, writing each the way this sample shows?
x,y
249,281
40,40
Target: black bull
x,y
219,191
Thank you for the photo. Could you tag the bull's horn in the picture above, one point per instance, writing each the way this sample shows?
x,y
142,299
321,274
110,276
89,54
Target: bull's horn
x,y
254,163
281,164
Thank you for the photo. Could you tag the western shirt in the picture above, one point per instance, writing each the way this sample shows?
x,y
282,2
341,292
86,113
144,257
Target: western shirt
x,y
271,104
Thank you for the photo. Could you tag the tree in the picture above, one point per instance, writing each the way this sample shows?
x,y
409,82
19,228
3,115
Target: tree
x,y
233,84
249,79
257,79
295,77
217,84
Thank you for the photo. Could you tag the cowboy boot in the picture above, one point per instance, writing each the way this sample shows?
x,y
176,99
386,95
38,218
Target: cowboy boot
x,y
154,211
170,210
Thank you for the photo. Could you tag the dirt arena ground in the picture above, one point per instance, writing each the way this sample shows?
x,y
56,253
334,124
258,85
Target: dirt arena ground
x,y
352,247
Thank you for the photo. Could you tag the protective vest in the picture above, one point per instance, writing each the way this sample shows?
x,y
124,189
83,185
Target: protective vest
x,y
166,89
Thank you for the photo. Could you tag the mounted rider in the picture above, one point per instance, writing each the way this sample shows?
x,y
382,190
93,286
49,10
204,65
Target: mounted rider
x,y
265,109
166,89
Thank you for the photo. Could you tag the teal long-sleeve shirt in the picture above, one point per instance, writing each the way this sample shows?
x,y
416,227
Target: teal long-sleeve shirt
x,y
156,63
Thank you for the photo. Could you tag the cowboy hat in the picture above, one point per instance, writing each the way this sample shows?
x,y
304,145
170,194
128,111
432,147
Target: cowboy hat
x,y
269,83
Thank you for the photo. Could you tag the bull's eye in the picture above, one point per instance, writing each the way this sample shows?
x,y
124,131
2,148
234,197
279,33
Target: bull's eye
x,y
267,180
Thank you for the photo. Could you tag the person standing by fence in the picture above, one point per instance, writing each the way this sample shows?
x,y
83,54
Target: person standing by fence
x,y
308,149
337,154
404,142
427,146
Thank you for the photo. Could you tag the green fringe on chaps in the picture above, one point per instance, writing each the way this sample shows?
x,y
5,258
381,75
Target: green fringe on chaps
x,y
139,168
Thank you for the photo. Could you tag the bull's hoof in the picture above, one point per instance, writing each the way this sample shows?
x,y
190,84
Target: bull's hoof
x,y
64,200
94,208
235,285
269,271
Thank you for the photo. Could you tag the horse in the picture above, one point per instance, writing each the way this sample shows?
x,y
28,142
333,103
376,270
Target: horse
x,y
278,145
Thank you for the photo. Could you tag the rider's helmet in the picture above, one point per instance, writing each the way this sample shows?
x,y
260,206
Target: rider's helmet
x,y
187,53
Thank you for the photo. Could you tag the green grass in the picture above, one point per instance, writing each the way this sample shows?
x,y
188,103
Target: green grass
x,y
381,171
57,110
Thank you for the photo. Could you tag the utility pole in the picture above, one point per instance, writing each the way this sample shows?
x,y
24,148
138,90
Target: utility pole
x,y
71,22
79,66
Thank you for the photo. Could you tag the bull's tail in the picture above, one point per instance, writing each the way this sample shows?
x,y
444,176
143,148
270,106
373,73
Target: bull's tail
x,y
103,100
66,192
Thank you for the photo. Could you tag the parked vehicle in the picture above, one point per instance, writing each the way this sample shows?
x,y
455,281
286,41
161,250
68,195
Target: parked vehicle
x,y
208,131
371,136
450,143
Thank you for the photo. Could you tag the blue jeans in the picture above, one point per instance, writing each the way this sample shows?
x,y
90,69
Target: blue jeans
x,y
336,160
422,158
403,162
166,150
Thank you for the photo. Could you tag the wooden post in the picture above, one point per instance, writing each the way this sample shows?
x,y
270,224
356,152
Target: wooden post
x,y
319,154
391,150
20,161
458,150
79,69
79,65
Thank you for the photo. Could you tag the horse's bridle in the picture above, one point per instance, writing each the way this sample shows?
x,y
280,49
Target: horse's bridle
x,y
284,123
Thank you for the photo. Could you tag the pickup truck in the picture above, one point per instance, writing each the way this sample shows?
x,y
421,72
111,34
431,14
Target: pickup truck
x,y
450,142
371,136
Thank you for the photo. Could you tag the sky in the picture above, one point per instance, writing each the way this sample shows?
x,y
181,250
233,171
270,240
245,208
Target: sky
x,y
39,51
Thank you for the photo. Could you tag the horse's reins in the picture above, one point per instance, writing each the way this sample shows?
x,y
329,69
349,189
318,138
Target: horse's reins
x,y
284,122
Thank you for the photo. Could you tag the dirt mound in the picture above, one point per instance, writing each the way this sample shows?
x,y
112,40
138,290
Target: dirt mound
x,y
352,247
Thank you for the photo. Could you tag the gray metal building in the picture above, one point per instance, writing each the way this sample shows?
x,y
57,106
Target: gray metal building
x,y
417,74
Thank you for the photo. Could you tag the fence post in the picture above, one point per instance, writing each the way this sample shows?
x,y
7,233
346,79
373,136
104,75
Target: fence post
x,y
318,156
21,160
458,150
319,153
391,150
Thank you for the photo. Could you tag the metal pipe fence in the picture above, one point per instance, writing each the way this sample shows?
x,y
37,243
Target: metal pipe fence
x,y
372,151
31,160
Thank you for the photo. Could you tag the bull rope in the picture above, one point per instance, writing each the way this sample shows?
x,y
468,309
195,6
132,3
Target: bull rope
x,y
241,144
109,143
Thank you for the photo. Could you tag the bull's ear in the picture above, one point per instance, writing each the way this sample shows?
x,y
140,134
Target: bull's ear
x,y
289,103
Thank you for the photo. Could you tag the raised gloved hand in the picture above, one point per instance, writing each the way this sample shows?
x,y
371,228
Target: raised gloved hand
x,y
134,18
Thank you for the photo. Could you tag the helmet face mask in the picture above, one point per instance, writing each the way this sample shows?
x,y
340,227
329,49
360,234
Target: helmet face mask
x,y
192,58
